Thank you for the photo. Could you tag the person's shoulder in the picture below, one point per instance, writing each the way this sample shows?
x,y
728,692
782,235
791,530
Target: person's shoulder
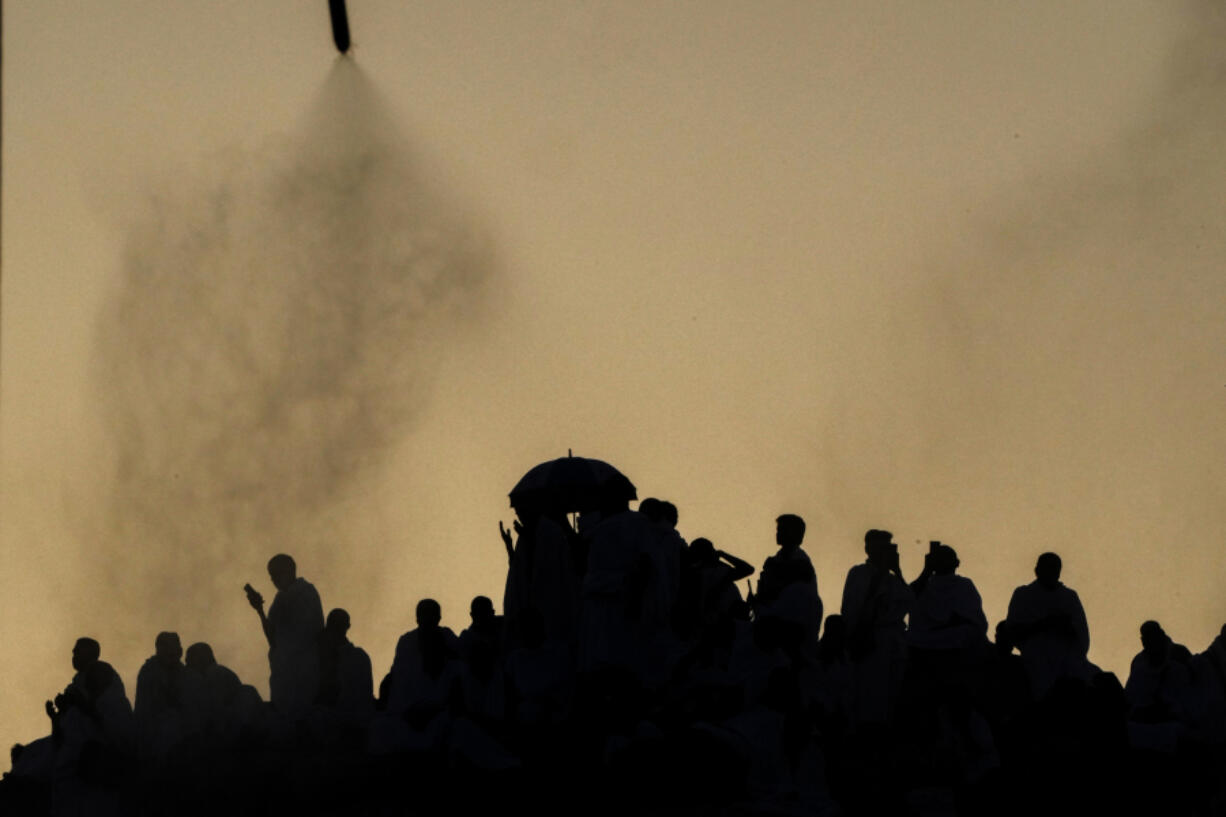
x,y
1068,592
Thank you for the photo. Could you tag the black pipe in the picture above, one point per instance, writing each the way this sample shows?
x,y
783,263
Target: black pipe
x,y
340,24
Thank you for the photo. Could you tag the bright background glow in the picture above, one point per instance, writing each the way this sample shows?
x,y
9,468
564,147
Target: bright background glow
x,y
952,269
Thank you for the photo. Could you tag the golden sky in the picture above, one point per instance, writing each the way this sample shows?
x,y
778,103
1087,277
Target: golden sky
x,y
949,268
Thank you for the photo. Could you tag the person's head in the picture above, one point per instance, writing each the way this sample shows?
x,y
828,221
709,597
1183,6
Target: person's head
x,y
652,508
944,560
282,571
481,610
337,623
429,614
878,544
701,551
199,657
668,513
1154,640
167,648
789,530
85,653
1047,570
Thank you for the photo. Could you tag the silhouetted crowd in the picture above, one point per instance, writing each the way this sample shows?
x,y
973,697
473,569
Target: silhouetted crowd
x,y
628,674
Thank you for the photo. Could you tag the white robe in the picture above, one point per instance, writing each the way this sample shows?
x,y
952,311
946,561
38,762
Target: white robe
x,y
877,602
797,602
408,675
541,575
1049,656
163,708
948,615
612,634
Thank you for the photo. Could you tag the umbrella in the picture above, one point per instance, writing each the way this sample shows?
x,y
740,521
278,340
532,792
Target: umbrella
x,y
572,484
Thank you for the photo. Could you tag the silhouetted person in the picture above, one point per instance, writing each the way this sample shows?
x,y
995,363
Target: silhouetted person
x,y
541,573
1006,687
223,706
1209,681
876,600
663,548
614,590
787,588
708,586
948,613
424,683
292,627
1159,687
1048,624
486,628
92,711
408,666
346,682
163,717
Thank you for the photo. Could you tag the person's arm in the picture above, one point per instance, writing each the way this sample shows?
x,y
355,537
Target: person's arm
x,y
506,540
741,569
257,603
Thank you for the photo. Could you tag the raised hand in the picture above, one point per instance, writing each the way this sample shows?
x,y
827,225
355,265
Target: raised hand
x,y
254,598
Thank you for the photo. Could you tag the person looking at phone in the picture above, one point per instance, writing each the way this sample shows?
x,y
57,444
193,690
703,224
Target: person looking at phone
x,y
292,626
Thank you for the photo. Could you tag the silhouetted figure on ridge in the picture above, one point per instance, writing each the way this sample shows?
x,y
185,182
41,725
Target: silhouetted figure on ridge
x,y
91,715
485,627
163,716
541,573
708,585
614,590
1209,682
1158,691
425,688
96,692
1048,624
947,613
664,549
428,642
876,600
223,705
787,588
947,634
346,683
292,627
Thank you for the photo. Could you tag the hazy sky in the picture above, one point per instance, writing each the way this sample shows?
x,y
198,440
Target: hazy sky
x,y
948,268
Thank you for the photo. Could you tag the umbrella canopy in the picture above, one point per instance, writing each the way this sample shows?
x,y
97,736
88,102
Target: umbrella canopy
x,y
572,484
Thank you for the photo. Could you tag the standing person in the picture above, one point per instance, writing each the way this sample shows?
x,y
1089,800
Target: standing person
x,y
876,600
787,588
1048,624
541,574
292,627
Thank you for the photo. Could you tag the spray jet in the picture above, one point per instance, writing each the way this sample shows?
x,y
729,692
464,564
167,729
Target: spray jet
x,y
340,24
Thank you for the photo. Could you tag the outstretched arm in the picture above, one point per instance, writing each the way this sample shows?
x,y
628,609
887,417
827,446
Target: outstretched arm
x,y
741,569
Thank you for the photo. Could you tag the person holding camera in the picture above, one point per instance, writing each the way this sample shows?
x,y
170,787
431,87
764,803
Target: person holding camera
x,y
876,600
